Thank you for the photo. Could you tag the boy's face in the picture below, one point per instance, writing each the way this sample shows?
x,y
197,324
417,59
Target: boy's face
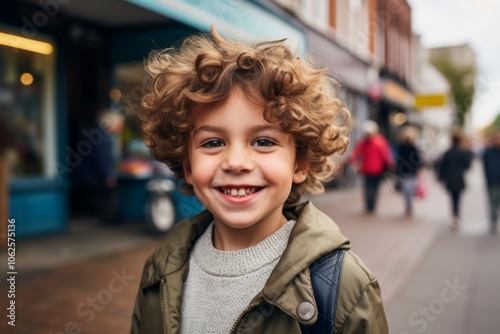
x,y
241,166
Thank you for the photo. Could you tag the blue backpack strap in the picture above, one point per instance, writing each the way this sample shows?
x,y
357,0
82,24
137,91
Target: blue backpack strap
x,y
325,279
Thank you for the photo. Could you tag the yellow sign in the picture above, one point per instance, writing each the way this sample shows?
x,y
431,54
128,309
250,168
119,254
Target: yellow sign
x,y
429,101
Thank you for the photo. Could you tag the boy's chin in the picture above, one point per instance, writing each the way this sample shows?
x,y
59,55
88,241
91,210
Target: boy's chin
x,y
235,224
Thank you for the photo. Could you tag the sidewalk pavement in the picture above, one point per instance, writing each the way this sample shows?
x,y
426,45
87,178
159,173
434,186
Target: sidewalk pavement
x,y
455,290
389,243
94,293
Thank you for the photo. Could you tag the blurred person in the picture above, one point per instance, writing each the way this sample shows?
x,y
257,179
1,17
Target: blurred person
x,y
372,157
467,146
408,164
95,176
259,126
491,163
452,167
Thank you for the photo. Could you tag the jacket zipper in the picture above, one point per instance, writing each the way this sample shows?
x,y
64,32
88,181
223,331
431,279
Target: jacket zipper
x,y
162,305
242,314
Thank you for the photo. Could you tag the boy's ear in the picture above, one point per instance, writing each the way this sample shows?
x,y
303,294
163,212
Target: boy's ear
x,y
186,166
300,172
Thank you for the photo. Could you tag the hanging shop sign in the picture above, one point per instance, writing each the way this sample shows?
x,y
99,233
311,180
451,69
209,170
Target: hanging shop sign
x,y
423,101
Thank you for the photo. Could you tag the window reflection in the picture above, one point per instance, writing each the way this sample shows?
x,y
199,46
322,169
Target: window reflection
x,y
131,80
24,77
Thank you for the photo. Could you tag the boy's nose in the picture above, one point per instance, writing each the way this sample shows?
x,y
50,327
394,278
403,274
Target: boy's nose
x,y
237,162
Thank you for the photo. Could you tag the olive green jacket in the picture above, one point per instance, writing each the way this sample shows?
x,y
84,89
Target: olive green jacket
x,y
275,309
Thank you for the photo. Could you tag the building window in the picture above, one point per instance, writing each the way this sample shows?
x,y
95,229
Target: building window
x,y
27,104
352,24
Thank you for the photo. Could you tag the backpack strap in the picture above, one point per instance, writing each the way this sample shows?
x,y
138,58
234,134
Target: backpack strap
x,y
325,279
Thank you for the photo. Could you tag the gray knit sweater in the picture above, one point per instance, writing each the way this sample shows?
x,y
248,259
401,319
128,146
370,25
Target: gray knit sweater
x,y
221,284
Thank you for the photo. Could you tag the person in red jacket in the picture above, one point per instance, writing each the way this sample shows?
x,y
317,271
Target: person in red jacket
x,y
372,156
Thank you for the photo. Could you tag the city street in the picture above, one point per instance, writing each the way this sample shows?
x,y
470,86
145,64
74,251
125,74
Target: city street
x,y
101,100
433,279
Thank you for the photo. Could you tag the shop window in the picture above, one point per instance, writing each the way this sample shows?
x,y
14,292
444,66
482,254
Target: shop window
x,y
27,104
131,80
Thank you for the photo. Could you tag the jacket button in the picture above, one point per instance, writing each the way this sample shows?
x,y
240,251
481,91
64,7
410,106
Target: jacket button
x,y
305,311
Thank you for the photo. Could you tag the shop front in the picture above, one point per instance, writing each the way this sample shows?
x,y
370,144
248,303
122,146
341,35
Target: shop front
x,y
93,62
28,80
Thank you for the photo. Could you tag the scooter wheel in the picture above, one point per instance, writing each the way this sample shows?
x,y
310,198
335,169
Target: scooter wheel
x,y
160,214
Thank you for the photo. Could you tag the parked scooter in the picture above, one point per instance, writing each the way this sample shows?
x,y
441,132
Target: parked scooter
x,y
149,193
159,207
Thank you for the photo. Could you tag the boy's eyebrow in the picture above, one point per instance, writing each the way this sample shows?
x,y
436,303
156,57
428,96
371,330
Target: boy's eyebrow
x,y
272,127
218,129
208,128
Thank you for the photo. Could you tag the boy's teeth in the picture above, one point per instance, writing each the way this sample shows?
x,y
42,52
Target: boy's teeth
x,y
238,192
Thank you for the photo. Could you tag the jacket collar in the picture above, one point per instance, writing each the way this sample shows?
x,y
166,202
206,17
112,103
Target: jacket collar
x,y
313,236
176,246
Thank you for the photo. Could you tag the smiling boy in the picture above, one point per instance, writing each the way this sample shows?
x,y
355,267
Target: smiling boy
x,y
249,129
242,168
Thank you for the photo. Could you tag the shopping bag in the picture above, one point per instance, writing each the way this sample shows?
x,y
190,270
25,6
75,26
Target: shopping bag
x,y
421,190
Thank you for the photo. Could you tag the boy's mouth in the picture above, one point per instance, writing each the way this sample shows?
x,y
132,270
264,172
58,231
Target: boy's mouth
x,y
238,191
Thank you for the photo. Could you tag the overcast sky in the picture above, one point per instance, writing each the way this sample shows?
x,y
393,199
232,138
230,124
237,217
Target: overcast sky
x,y
477,22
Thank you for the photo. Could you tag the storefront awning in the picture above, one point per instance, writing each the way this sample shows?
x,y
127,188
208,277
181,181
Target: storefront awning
x,y
394,93
241,17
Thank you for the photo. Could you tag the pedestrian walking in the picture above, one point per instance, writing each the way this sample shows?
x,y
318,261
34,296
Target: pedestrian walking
x,y
372,157
491,163
408,165
452,167
250,128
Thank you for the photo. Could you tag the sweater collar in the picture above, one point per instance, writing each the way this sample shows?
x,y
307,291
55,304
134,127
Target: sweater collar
x,y
240,262
314,235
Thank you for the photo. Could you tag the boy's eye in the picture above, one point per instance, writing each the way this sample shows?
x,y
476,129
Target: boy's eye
x,y
264,142
212,143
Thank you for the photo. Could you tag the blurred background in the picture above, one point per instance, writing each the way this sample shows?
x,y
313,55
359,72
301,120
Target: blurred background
x,y
90,204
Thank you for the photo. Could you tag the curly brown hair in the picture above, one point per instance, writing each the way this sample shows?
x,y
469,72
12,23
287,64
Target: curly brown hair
x,y
294,92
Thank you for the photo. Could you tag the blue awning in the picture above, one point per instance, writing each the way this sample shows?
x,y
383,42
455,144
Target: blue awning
x,y
231,16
